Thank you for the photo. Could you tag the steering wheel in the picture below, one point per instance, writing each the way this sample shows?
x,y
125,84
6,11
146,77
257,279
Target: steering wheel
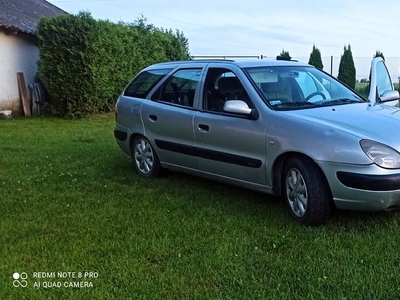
x,y
315,94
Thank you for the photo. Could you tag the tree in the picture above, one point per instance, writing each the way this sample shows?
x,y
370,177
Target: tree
x,y
284,55
379,54
347,70
315,58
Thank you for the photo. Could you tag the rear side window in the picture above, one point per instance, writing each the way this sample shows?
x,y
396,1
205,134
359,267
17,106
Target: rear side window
x,y
142,84
179,88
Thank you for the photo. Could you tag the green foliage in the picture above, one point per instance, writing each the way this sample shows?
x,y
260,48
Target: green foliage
x,y
362,88
284,55
347,70
315,58
157,44
86,63
379,54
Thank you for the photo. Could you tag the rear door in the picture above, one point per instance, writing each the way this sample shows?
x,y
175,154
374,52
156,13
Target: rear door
x,y
168,118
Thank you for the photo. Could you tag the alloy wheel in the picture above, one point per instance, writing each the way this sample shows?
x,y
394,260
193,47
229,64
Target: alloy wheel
x,y
296,192
144,156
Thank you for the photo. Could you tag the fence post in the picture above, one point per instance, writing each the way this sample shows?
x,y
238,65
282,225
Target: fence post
x,y
331,65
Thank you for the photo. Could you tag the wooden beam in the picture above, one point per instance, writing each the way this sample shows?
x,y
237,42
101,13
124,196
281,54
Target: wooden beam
x,y
23,94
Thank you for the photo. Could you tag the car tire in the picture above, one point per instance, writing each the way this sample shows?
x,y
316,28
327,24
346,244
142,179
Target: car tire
x,y
306,191
145,158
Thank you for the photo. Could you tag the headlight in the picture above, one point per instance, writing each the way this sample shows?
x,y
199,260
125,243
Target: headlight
x,y
382,155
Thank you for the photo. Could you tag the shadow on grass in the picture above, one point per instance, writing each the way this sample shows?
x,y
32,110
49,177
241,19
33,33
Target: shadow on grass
x,y
233,199
197,190
360,220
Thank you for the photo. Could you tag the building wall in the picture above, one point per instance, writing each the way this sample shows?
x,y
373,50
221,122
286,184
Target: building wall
x,y
18,53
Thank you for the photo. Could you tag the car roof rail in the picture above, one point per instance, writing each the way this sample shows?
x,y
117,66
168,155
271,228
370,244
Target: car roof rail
x,y
210,59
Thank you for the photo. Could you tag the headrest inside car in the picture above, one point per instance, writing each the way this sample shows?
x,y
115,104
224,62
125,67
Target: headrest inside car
x,y
271,87
229,85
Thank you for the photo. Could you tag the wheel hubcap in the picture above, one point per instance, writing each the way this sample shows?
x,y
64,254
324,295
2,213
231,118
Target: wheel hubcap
x,y
296,192
144,157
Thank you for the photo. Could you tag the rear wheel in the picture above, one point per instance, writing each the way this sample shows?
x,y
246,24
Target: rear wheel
x,y
145,158
307,192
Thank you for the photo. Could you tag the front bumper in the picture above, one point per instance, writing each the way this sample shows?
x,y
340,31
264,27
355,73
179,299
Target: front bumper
x,y
370,182
363,187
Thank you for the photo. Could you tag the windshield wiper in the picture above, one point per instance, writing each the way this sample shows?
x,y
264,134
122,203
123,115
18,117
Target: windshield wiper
x,y
294,104
340,101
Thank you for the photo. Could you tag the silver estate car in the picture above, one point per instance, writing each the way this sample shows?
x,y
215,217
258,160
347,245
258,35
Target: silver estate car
x,y
279,127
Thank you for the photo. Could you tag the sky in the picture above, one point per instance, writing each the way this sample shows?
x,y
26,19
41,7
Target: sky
x,y
263,27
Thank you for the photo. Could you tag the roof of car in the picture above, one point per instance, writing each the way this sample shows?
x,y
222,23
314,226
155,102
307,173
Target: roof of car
x,y
240,63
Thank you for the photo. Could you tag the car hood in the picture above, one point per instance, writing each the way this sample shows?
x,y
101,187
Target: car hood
x,y
376,122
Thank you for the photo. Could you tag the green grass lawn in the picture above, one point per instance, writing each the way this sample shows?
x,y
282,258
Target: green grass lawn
x,y
70,201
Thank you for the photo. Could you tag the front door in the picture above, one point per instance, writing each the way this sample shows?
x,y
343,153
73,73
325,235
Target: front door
x,y
229,145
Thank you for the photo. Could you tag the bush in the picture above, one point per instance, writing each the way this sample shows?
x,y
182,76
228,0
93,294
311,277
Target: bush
x,y
379,54
362,88
86,63
315,58
284,55
347,70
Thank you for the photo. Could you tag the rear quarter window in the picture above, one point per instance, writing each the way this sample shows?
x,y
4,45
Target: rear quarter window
x,y
143,83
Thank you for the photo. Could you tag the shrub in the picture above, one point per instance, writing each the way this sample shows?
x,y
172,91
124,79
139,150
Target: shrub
x,y
315,58
379,54
347,70
86,62
284,55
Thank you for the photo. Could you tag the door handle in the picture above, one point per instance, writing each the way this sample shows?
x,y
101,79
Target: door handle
x,y
152,118
203,128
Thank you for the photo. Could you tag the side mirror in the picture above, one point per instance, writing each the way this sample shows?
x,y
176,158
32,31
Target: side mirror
x,y
237,107
389,95
240,107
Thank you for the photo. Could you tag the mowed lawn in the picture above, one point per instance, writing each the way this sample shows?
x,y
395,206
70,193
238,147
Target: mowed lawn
x,y
70,201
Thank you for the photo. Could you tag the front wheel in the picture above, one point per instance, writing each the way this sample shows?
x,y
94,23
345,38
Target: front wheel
x,y
307,192
145,158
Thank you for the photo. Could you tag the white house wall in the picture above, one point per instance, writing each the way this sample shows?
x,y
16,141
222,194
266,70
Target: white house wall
x,y
17,54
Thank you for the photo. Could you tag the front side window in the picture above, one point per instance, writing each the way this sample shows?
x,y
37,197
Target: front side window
x,y
142,84
220,86
179,88
297,87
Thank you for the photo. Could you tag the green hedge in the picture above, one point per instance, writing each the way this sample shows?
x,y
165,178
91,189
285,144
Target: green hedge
x,y
86,62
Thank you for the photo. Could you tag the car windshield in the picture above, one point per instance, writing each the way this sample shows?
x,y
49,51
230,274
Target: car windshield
x,y
299,87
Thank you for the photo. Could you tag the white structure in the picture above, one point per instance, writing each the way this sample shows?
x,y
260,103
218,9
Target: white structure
x,y
18,46
17,55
